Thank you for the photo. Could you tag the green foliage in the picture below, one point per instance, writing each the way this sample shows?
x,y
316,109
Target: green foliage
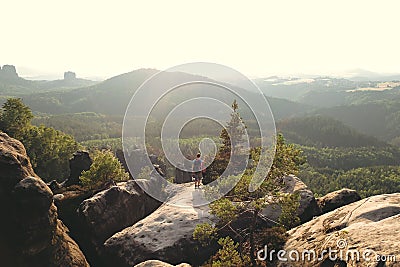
x,y
105,168
144,173
228,255
205,233
289,204
342,158
368,170
49,151
240,201
224,209
375,118
367,181
231,138
322,131
232,135
15,117
84,126
287,160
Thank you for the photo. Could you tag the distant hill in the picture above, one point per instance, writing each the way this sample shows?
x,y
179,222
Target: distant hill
x,y
376,118
327,91
365,75
282,108
295,89
322,131
13,85
373,113
112,96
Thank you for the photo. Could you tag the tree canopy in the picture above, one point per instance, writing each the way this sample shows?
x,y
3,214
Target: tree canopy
x,y
105,168
15,117
48,149
238,246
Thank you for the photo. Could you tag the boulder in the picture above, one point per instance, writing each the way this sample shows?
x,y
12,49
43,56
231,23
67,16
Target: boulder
x,y
14,163
116,208
80,162
30,232
182,176
157,263
308,207
368,228
166,234
337,199
54,186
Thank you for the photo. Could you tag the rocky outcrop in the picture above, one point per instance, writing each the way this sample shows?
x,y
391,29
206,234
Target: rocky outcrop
x,y
157,263
369,227
8,72
137,159
337,199
182,176
166,234
30,232
116,208
80,162
69,76
308,207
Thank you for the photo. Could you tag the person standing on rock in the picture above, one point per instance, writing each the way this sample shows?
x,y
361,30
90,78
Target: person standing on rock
x,y
197,170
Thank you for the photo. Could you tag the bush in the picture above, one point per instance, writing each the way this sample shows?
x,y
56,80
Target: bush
x,y
105,168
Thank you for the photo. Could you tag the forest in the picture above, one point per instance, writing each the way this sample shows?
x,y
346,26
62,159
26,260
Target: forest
x,y
329,134
359,132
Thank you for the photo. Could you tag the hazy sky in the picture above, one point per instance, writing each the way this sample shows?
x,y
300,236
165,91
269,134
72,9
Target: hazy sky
x,y
258,38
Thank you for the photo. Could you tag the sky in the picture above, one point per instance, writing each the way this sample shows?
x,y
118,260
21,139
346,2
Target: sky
x,y
257,38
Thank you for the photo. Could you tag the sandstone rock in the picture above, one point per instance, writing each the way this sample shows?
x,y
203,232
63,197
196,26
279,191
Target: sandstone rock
x,y
308,205
157,263
166,234
14,163
80,162
69,75
8,72
337,199
112,210
30,232
54,186
182,176
137,159
369,225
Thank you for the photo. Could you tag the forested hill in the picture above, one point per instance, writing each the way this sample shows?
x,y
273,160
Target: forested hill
x,y
369,107
112,96
108,97
380,118
322,131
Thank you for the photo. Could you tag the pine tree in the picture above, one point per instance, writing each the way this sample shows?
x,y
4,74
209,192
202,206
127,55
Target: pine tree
x,y
233,135
15,117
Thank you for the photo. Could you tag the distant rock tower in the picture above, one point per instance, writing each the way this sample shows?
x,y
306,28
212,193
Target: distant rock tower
x,y
69,76
8,71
